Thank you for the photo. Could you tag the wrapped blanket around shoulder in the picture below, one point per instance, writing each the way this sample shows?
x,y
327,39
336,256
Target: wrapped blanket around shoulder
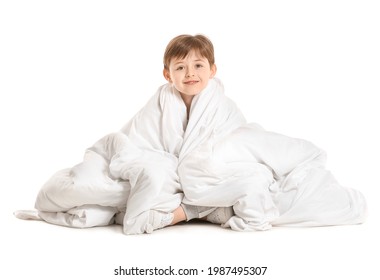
x,y
137,176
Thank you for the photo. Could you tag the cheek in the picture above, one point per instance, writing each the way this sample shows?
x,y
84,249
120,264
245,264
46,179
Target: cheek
x,y
176,77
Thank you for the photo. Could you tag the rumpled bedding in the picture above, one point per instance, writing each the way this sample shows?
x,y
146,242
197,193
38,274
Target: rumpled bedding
x,y
159,160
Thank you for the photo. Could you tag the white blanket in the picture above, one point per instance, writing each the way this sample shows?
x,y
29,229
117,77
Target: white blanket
x,y
160,159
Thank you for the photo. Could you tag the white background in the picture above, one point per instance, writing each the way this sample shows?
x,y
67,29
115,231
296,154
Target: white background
x,y
73,71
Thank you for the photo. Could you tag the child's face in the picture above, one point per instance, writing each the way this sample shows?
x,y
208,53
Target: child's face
x,y
191,74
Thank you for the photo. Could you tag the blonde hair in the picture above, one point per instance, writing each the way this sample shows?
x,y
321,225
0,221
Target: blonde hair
x,y
180,46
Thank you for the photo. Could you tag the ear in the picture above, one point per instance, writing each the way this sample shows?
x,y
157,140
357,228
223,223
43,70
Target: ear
x,y
213,71
166,74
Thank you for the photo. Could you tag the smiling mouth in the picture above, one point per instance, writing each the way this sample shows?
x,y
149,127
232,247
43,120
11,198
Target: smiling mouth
x,y
190,82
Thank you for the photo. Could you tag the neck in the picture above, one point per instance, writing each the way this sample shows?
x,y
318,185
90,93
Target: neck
x,y
187,100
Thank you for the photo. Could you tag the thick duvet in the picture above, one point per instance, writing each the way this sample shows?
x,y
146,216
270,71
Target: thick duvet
x,y
159,160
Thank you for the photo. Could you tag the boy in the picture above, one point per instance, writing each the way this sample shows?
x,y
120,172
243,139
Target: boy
x,y
189,64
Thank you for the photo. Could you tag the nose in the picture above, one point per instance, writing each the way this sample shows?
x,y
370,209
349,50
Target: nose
x,y
189,73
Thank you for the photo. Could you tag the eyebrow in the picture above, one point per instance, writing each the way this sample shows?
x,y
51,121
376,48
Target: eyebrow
x,y
196,60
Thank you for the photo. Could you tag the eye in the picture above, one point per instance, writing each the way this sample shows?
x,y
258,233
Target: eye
x,y
198,65
179,68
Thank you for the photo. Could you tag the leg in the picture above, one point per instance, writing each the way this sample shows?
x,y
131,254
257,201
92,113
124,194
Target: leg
x,y
215,215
